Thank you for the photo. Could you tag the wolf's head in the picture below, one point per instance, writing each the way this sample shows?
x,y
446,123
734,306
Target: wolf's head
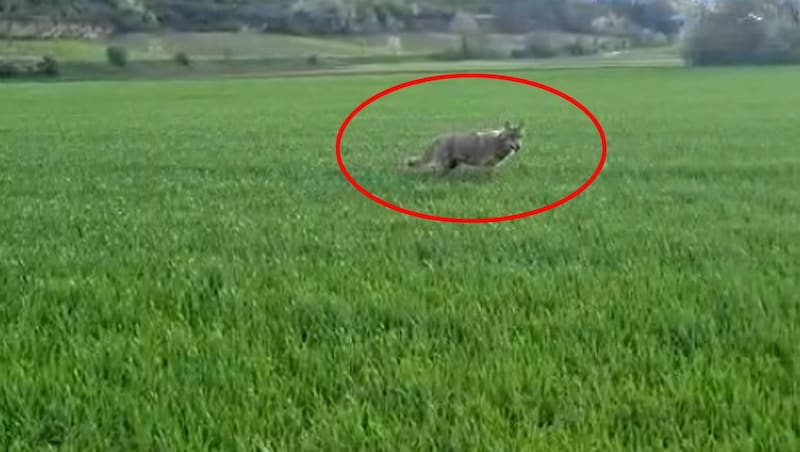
x,y
512,136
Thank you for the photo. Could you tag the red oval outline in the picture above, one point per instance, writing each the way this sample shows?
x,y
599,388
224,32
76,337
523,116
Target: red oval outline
x,y
507,78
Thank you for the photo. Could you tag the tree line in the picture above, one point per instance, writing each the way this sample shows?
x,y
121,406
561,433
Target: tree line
x,y
729,32
344,16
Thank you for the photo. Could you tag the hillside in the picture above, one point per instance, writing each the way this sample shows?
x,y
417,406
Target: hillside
x,y
317,17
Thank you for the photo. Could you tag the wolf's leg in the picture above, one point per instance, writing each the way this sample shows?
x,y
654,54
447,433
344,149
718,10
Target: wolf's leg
x,y
440,170
423,160
418,161
486,172
446,166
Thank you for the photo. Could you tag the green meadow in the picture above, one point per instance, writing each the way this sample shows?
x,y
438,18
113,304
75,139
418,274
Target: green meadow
x,y
183,266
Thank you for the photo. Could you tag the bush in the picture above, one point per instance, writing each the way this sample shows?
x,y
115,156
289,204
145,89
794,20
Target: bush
x,y
580,46
182,59
9,69
313,60
47,66
727,37
607,46
545,46
117,55
538,45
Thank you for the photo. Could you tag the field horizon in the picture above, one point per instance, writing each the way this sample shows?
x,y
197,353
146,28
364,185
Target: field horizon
x,y
184,267
254,54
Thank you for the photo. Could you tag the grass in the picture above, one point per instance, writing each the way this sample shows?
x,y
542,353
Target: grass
x,y
62,50
183,267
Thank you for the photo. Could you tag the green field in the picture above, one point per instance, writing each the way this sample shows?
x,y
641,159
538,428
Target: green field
x,y
184,267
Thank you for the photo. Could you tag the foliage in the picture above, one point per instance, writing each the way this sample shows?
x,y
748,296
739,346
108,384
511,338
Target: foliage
x,y
9,69
321,16
538,45
512,15
655,15
343,16
581,46
468,30
117,55
742,32
47,66
182,58
544,45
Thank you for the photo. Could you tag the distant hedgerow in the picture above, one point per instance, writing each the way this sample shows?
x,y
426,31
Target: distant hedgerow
x,y
47,66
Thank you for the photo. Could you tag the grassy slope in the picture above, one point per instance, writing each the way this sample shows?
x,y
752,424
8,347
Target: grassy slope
x,y
241,45
183,264
216,45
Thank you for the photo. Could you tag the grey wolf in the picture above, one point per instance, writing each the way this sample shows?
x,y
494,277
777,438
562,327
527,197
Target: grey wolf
x,y
485,149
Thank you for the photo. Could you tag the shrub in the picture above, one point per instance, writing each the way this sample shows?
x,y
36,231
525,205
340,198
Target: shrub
x,y
538,45
182,59
313,60
606,46
580,46
117,55
47,66
9,69
727,36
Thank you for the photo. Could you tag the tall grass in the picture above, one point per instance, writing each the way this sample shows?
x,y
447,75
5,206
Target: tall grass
x,y
183,267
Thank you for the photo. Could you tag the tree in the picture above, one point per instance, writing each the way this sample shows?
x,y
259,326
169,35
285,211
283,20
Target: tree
x,y
512,15
322,16
466,27
7,8
742,31
657,15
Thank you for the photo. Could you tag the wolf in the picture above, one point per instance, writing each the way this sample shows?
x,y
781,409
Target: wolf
x,y
486,149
